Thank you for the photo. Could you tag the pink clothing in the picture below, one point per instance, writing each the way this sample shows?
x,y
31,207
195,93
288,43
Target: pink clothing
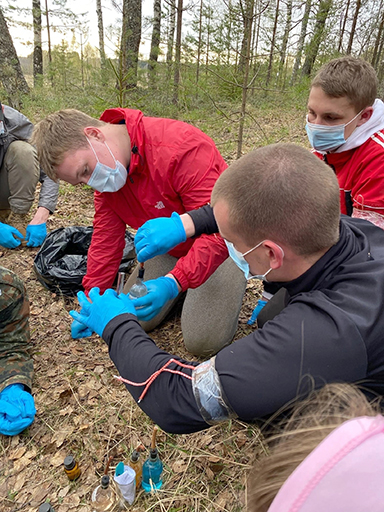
x,y
344,473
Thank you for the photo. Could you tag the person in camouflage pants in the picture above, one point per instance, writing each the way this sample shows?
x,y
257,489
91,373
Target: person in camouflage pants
x,y
17,409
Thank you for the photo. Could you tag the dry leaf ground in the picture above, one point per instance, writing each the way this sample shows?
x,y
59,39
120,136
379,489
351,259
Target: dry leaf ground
x,y
82,410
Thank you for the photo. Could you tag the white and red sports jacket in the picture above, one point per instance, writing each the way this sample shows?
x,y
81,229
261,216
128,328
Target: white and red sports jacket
x,y
359,167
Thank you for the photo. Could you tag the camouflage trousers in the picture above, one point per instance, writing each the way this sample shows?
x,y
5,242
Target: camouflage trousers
x,y
16,364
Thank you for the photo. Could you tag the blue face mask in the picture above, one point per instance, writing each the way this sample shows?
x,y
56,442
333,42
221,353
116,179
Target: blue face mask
x,y
242,263
323,137
107,179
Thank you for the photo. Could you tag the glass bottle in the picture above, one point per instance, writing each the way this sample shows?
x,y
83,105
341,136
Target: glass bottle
x,y
152,470
71,468
104,497
137,466
138,289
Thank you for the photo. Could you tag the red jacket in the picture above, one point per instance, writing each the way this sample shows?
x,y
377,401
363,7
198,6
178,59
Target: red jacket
x,y
360,173
173,167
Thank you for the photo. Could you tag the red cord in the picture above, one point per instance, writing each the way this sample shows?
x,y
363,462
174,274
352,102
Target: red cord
x,y
154,376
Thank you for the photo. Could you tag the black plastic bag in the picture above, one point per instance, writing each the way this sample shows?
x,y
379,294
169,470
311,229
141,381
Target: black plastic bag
x,y
61,262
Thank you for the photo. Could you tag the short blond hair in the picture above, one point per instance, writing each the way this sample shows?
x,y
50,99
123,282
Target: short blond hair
x,y
312,421
283,193
348,77
58,133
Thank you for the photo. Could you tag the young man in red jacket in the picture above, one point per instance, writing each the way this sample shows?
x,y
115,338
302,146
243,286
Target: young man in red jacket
x,y
345,126
143,168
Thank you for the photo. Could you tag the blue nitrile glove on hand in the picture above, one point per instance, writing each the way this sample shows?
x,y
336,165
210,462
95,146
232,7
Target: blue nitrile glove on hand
x,y
160,291
256,311
158,236
35,234
7,236
103,308
79,330
17,410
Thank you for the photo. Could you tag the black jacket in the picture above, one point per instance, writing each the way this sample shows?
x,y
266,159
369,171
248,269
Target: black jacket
x,y
331,329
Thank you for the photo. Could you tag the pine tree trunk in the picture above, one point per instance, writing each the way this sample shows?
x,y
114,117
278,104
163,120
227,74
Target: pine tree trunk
x,y
374,60
284,44
343,27
176,78
208,40
130,42
248,33
271,51
317,38
300,44
171,30
155,41
11,74
100,27
247,15
37,50
353,28
48,32
199,41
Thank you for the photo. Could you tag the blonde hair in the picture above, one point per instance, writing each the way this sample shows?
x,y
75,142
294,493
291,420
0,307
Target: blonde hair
x,y
311,421
59,133
284,193
350,77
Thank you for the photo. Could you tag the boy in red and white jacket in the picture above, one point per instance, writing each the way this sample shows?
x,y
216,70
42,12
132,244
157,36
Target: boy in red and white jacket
x,y
345,126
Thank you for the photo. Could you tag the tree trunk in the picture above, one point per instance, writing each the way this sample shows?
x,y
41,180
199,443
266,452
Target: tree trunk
x,y
284,44
199,41
171,30
343,27
209,12
100,27
48,32
229,32
374,60
270,62
300,43
130,42
248,8
353,28
317,38
248,33
155,41
11,74
37,51
176,79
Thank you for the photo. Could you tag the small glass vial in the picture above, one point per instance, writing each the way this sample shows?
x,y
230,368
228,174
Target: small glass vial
x,y
152,470
71,468
137,466
104,497
46,507
138,289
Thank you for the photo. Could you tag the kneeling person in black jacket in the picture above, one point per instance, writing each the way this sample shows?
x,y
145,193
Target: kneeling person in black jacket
x,y
278,210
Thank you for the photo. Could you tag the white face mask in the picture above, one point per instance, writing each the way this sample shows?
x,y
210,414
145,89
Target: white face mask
x,y
107,179
243,264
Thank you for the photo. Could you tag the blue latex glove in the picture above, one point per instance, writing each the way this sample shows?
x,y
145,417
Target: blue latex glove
x,y
35,234
17,410
79,330
158,236
7,236
256,311
103,308
160,291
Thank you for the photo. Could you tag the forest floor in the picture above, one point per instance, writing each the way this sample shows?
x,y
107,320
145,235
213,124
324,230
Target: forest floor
x,y
82,410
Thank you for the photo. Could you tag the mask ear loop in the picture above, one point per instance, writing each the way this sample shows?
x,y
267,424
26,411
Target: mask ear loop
x,y
94,152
